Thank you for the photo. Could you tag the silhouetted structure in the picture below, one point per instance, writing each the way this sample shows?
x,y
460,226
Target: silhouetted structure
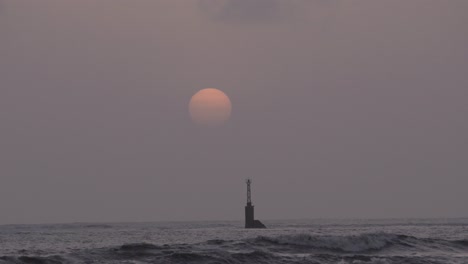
x,y
250,221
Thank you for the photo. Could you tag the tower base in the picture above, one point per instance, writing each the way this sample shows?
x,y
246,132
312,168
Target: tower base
x,y
255,224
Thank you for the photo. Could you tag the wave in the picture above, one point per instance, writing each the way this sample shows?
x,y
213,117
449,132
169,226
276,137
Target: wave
x,y
358,243
259,257
372,248
190,257
256,256
363,243
32,260
100,226
139,247
462,242
136,250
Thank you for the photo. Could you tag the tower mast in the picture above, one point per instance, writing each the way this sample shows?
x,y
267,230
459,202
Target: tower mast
x,y
249,195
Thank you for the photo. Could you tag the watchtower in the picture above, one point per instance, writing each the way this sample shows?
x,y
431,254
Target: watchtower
x,y
250,221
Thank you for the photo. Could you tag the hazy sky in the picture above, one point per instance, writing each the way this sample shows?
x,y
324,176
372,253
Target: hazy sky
x,y
340,109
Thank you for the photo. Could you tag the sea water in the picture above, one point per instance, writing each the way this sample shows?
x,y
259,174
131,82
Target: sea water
x,y
320,241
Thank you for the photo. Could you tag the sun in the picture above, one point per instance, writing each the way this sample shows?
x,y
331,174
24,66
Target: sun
x,y
210,106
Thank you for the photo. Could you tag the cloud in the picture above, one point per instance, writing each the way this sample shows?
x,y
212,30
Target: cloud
x,y
242,10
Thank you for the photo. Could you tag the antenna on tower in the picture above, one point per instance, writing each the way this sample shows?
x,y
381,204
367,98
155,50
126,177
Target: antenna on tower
x,y
249,195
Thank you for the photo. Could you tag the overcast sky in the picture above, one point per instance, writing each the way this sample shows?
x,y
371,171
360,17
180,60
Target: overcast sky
x,y
340,109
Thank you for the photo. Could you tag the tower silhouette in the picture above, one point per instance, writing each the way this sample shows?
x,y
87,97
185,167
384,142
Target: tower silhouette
x,y
250,221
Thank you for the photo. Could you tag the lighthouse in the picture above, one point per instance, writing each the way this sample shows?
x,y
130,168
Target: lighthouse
x,y
250,221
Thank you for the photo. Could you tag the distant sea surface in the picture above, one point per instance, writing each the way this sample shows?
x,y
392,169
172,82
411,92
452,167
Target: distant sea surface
x,y
386,241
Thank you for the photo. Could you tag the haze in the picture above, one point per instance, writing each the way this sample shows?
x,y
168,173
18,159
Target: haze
x,y
340,109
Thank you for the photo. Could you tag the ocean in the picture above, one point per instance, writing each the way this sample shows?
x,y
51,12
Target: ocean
x,y
317,241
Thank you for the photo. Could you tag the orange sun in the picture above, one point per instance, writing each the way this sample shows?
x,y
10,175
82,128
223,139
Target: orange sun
x,y
210,106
